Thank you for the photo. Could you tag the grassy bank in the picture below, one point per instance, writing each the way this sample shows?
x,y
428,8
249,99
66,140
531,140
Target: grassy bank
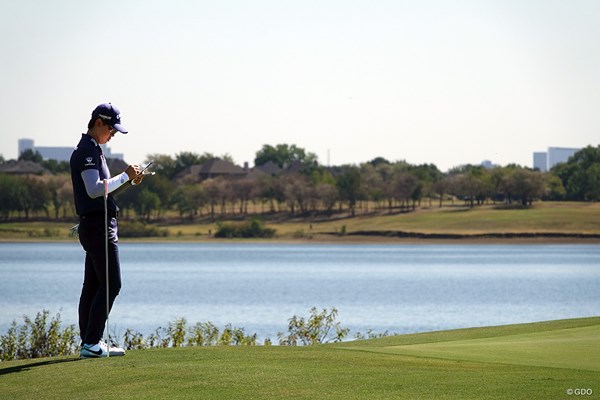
x,y
544,218
567,218
529,361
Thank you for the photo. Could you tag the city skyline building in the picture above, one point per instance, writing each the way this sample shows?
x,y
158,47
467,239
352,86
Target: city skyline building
x,y
488,164
542,160
59,153
545,160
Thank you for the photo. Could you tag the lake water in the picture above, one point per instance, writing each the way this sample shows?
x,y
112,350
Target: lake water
x,y
397,288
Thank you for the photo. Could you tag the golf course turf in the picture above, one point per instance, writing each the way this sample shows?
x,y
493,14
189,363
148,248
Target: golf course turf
x,y
546,360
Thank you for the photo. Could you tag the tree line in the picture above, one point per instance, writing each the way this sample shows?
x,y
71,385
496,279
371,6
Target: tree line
x,y
376,185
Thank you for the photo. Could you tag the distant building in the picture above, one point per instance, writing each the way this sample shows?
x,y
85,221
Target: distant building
x,y
21,167
24,144
269,168
557,155
210,169
540,161
55,153
487,164
59,153
215,168
544,161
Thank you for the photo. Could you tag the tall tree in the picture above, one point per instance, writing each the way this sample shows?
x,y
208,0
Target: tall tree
x,y
9,187
55,185
579,174
283,155
298,193
554,187
349,186
242,190
592,192
405,186
527,185
148,202
386,172
33,195
428,175
164,164
214,191
31,155
327,195
372,183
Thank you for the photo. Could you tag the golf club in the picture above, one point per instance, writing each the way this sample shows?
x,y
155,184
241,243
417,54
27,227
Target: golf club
x,y
107,336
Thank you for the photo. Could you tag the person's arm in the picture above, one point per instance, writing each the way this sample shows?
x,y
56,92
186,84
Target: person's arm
x,y
95,187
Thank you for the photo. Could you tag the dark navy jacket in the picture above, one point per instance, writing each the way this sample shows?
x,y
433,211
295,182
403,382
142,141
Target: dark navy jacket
x,y
88,155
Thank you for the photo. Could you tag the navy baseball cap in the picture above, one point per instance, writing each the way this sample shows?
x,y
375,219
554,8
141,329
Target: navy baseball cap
x,y
110,115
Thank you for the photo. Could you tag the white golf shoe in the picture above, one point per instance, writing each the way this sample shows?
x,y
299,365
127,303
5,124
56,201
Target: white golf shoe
x,y
100,350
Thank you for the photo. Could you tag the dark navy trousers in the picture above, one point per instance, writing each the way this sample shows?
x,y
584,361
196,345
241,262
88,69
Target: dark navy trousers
x,y
92,303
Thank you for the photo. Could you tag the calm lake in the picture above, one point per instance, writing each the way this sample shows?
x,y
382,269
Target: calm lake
x,y
397,288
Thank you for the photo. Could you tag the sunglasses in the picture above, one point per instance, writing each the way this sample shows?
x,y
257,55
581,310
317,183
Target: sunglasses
x,y
111,129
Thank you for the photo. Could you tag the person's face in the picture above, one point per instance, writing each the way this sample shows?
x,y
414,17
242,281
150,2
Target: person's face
x,y
106,133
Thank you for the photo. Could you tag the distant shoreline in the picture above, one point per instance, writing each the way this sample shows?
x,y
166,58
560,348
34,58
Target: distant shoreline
x,y
483,239
545,222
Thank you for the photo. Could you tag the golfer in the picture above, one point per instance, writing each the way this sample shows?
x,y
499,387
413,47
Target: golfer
x,y
88,172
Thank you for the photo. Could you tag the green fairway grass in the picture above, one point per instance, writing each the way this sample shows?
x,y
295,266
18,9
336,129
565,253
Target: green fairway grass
x,y
575,348
527,361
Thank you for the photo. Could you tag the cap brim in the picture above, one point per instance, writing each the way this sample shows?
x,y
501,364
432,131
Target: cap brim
x,y
120,128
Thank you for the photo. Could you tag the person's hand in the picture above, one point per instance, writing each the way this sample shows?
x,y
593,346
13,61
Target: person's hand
x,y
138,180
134,174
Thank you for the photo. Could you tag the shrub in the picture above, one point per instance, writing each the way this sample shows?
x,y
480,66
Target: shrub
x,y
203,334
299,234
38,338
177,332
43,233
315,330
133,340
135,229
252,229
178,335
370,335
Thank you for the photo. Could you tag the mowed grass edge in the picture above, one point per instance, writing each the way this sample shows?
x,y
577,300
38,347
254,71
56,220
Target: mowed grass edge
x,y
355,370
565,348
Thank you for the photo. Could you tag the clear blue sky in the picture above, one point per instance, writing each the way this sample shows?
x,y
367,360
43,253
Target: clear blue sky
x,y
446,82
